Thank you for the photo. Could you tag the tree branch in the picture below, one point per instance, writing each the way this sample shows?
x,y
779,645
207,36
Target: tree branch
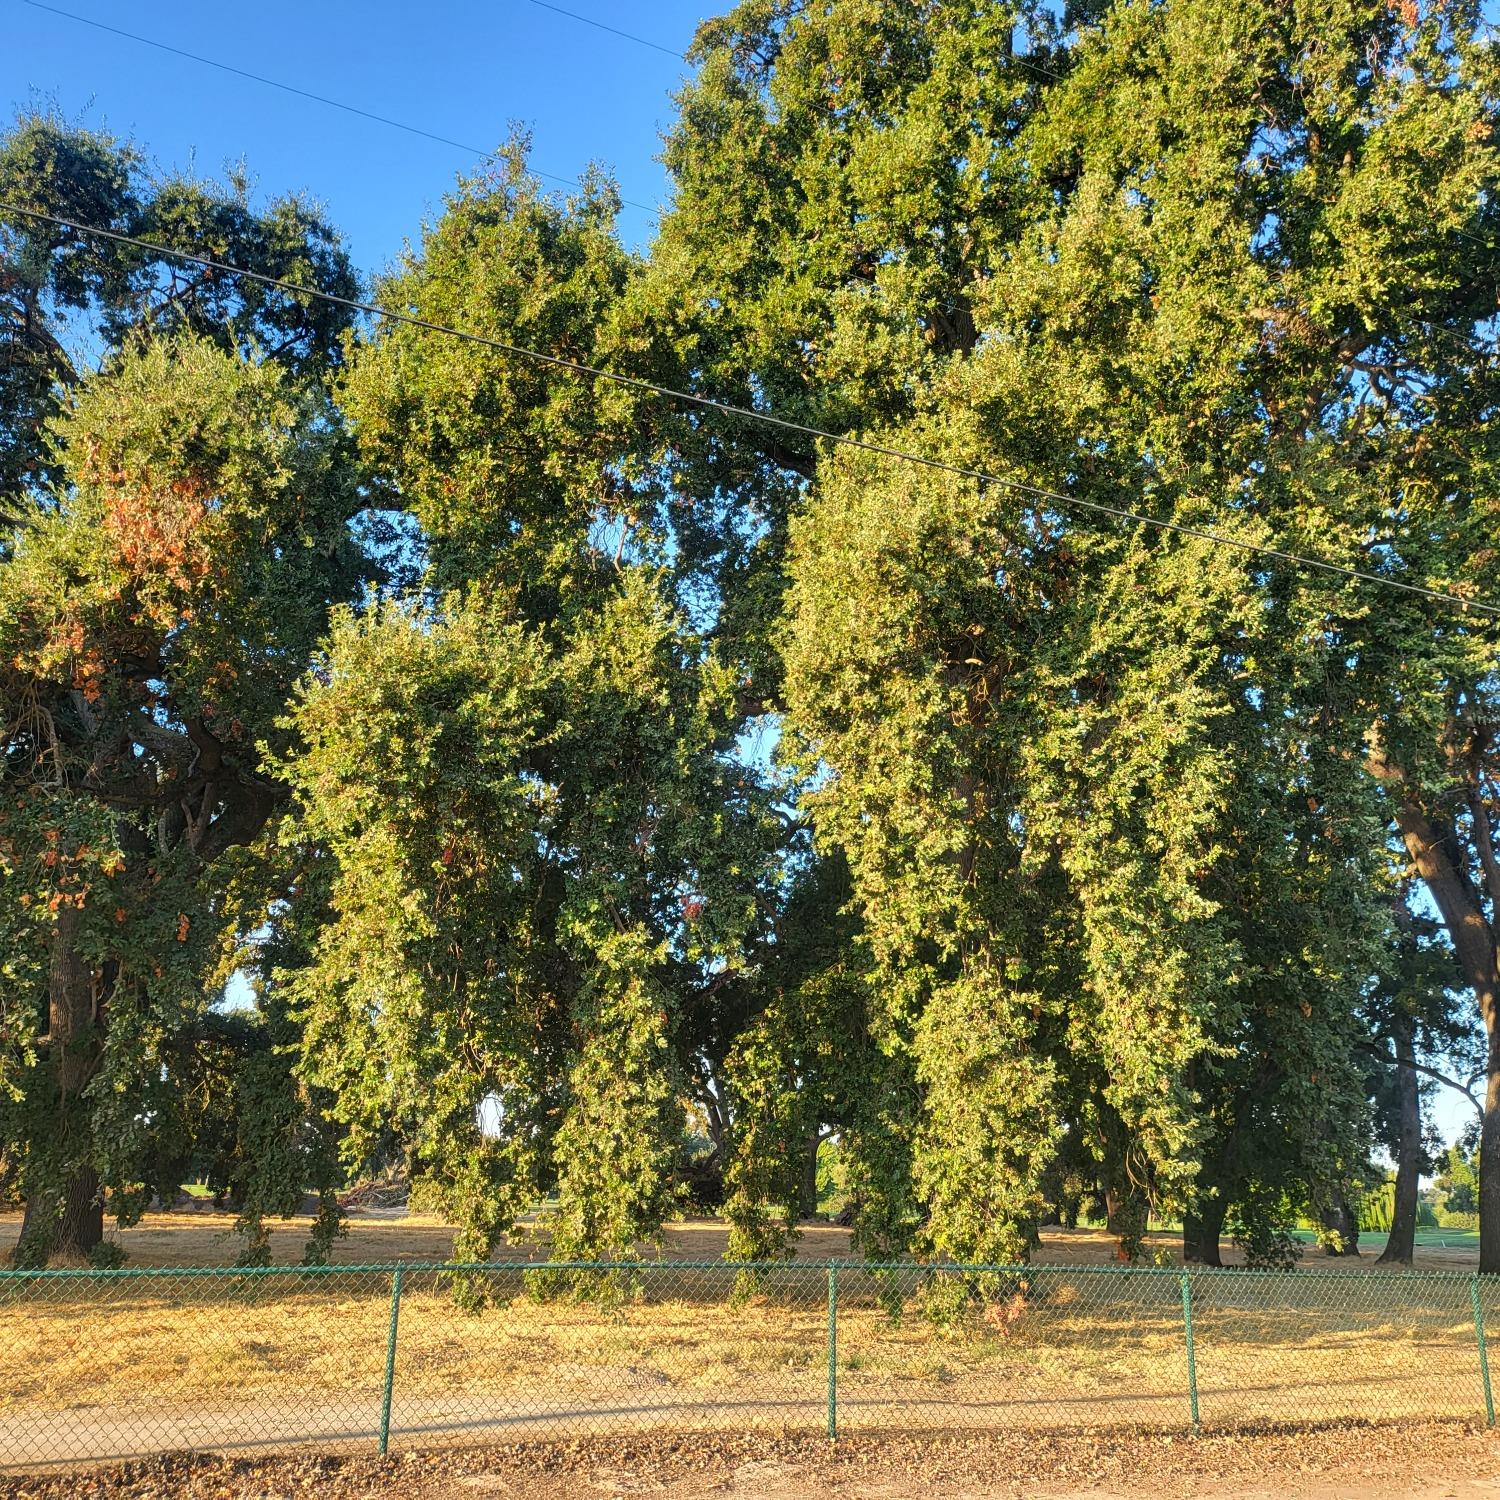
x,y
1373,1051
1484,840
170,743
1431,849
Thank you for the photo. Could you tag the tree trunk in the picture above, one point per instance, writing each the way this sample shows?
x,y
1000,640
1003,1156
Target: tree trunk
x,y
1342,1224
1402,1238
809,1195
1433,844
68,1226
64,1218
1489,1166
1201,1233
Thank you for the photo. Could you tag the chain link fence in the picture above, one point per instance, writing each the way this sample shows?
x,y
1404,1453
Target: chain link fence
x,y
103,1365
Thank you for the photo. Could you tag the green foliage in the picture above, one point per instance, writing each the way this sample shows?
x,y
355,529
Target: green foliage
x,y
833,1178
1094,774
176,527
814,1058
1261,1227
1457,1185
410,761
108,1255
547,861
504,974
771,1107
987,1128
53,274
1071,871
620,1139
1377,1207
511,469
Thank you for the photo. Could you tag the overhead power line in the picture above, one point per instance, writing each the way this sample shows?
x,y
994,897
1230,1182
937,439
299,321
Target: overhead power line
x,y
484,153
629,36
760,418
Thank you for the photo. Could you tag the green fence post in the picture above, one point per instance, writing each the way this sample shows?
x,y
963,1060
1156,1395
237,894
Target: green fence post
x,y
390,1362
833,1354
1187,1324
1484,1354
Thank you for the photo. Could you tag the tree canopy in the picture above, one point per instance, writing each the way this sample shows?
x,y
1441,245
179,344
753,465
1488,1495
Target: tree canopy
x,y
617,799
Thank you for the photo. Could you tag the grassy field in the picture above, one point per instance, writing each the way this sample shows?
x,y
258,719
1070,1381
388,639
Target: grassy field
x,y
1063,1350
1371,1243
91,1368
95,1367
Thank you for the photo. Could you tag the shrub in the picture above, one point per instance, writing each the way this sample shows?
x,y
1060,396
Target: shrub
x,y
1449,1219
1261,1228
1377,1207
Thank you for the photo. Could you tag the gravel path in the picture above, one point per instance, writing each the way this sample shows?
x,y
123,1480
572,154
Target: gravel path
x,y
33,1439
1418,1462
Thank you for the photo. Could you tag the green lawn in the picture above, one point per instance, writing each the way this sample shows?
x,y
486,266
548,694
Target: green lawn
x,y
1372,1239
1448,1239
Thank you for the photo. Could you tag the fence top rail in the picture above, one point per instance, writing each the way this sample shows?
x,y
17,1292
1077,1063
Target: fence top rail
x,y
1236,1274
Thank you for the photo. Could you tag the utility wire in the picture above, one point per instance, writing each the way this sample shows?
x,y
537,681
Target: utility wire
x,y
289,88
573,15
764,419
629,36
367,114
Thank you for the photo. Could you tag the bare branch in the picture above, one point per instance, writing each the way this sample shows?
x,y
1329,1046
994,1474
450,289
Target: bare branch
x,y
169,743
1372,1050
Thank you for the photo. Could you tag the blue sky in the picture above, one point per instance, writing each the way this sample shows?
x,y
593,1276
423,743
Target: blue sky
x,y
460,70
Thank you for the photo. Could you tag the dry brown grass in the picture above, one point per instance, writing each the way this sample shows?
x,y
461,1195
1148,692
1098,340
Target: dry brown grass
x,y
204,1237
1068,1350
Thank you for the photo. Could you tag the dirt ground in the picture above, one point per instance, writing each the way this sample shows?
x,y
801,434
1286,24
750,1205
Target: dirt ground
x,y
205,1237
1411,1462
